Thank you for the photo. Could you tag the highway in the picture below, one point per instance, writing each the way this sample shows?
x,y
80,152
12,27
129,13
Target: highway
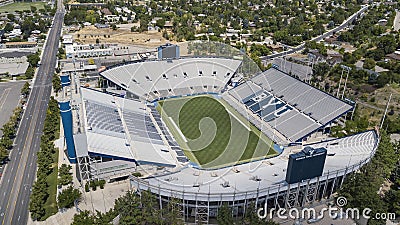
x,y
20,171
319,38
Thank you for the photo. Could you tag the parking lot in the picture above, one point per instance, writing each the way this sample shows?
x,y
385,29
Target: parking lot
x,y
10,93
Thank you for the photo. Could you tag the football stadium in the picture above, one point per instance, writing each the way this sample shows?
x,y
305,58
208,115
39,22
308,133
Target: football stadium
x,y
200,123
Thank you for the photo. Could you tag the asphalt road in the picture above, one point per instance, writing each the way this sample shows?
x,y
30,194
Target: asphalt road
x,y
20,172
319,38
10,93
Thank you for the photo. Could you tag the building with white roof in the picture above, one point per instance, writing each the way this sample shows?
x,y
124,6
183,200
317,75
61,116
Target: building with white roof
x,y
119,131
86,51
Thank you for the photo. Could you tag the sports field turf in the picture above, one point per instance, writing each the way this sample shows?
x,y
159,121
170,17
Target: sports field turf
x,y
21,6
213,134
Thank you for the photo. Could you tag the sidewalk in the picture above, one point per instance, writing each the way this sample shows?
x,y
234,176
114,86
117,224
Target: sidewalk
x,y
100,200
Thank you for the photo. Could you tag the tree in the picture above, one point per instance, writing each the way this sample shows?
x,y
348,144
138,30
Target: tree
x,y
321,69
150,209
102,183
369,63
382,80
171,213
349,59
65,177
61,53
25,89
128,207
33,59
160,23
3,154
33,8
56,83
6,142
87,218
250,217
9,27
38,198
83,218
45,161
361,189
387,43
224,216
11,17
29,72
67,197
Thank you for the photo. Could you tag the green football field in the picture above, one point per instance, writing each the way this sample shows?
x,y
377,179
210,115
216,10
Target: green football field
x,y
211,133
21,6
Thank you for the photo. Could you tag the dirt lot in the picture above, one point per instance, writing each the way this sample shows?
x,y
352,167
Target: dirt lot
x,y
376,103
122,35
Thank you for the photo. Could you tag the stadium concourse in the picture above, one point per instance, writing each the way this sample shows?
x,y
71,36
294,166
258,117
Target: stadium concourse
x,y
119,130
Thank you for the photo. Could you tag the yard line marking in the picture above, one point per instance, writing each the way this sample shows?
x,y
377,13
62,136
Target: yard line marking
x,y
177,129
230,113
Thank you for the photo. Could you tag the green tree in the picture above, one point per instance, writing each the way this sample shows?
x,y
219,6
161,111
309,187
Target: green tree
x,y
3,153
382,80
64,174
251,218
67,197
9,27
387,43
369,63
128,207
6,142
361,189
33,59
11,17
172,214
224,216
160,23
321,69
25,89
83,218
38,198
56,83
33,8
45,161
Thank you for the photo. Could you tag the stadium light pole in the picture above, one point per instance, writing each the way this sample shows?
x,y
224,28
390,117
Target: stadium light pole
x,y
340,81
354,109
345,82
384,114
312,57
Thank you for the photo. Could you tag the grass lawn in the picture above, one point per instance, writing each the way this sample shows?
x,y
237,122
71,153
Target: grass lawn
x,y
21,6
213,134
51,204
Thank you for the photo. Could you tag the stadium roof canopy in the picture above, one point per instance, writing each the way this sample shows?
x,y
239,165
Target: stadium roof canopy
x,y
121,129
292,107
248,180
151,80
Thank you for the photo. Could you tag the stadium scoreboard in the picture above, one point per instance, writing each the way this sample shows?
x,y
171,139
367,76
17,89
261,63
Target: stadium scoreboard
x,y
168,51
307,164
